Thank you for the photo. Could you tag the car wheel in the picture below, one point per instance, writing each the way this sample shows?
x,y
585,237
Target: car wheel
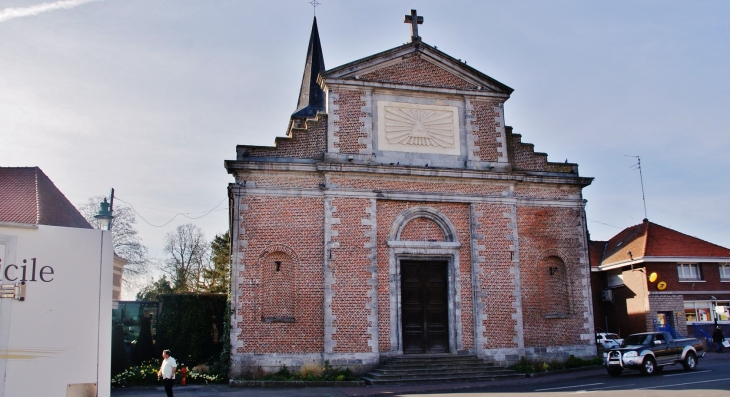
x,y
690,362
648,367
614,372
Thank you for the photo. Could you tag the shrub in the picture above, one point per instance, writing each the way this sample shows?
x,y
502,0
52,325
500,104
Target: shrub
x,y
119,355
306,373
145,374
527,367
144,349
523,366
187,324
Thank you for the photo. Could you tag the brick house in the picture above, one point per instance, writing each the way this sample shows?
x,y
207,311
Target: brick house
x,y
400,215
691,286
29,197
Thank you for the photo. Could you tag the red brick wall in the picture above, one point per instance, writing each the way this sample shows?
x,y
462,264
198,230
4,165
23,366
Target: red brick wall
x,y
303,144
667,272
525,157
430,184
458,214
495,281
554,287
547,193
277,285
349,126
416,71
349,265
422,229
283,180
486,129
278,224
546,232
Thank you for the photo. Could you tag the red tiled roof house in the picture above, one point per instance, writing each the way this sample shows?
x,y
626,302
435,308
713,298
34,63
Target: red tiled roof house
x,y
649,275
29,197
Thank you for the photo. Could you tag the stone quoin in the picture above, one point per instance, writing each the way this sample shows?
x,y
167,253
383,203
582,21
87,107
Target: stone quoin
x,y
398,216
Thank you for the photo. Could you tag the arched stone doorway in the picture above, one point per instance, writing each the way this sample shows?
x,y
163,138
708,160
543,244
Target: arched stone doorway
x,y
424,288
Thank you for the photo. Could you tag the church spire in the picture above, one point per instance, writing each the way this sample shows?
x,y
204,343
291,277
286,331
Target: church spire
x,y
311,96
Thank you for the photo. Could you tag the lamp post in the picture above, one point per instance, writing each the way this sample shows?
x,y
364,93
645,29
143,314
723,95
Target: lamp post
x,y
104,216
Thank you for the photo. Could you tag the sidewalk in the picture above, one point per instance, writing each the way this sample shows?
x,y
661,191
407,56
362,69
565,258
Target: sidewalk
x,y
372,391
224,390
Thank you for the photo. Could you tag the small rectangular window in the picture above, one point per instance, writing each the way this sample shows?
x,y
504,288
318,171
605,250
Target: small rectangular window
x,y
688,271
725,272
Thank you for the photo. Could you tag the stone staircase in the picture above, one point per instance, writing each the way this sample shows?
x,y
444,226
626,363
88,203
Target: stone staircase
x,y
418,369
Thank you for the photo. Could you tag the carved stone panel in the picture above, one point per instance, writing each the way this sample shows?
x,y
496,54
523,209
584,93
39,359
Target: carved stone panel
x,y
410,127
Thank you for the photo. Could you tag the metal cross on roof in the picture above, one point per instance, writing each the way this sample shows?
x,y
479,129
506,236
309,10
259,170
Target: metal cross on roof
x,y
414,20
314,4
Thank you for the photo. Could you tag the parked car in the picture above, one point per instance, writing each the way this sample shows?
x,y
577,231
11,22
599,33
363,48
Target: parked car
x,y
649,352
608,340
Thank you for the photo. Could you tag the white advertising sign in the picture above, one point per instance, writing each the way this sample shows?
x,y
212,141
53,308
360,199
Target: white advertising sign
x,y
55,311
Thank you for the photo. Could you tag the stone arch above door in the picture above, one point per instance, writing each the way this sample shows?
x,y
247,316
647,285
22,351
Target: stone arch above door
x,y
403,226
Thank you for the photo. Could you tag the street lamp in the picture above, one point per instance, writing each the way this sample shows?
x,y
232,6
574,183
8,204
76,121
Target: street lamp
x,y
104,216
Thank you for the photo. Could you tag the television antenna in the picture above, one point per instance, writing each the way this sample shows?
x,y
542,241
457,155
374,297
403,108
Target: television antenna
x,y
641,177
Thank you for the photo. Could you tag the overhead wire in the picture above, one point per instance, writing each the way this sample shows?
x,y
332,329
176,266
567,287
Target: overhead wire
x,y
185,214
591,220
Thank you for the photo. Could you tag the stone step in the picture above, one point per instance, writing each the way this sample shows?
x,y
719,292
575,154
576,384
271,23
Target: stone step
x,y
426,372
433,358
437,365
440,379
436,368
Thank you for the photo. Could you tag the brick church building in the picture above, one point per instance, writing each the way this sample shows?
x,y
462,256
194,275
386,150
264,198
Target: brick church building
x,y
400,216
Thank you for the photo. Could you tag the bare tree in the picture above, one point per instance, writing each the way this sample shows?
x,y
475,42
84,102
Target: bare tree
x,y
189,255
125,237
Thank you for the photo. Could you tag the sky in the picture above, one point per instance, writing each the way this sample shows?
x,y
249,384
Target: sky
x,y
151,96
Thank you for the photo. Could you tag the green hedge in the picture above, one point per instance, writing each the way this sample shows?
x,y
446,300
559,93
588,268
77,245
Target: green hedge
x,y
186,326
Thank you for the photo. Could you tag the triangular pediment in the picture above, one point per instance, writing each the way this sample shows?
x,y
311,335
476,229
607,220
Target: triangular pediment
x,y
416,64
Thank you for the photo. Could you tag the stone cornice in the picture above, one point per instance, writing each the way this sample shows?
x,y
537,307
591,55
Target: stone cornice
x,y
350,84
378,169
405,196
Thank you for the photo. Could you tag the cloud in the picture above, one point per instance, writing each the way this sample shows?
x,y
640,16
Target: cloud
x,y
10,13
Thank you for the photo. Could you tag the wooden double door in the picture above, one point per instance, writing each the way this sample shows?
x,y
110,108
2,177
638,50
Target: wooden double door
x,y
425,307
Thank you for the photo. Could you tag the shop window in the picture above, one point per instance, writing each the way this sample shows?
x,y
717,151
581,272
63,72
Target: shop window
x,y
698,312
278,288
722,311
725,272
689,272
554,285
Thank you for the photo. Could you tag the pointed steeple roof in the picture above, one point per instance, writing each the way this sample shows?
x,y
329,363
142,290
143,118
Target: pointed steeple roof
x,y
311,96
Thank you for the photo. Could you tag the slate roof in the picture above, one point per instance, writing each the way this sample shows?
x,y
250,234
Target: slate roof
x,y
311,95
28,196
648,239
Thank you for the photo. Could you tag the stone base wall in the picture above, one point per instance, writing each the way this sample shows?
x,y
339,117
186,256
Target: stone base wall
x,y
359,363
507,357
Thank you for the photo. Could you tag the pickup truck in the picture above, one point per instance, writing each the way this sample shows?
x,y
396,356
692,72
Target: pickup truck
x,y
649,352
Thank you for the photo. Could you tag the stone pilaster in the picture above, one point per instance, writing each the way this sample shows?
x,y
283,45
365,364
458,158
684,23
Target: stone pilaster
x,y
519,338
371,308
367,126
330,237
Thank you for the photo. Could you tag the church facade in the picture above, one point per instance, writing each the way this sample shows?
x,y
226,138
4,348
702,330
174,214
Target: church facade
x,y
401,216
